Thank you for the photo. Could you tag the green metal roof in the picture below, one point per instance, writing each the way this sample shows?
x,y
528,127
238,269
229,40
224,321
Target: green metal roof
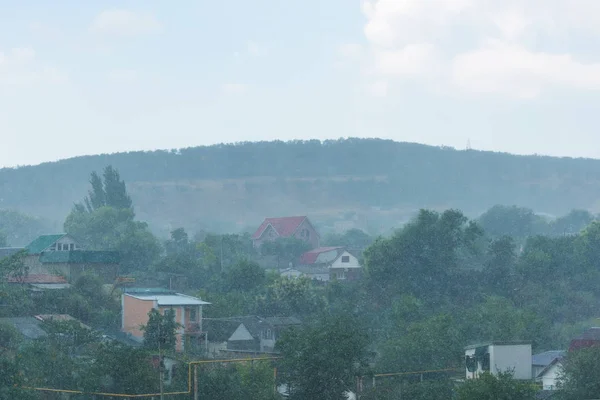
x,y
80,257
42,243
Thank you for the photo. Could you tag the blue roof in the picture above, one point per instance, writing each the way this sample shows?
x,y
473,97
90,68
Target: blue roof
x,y
544,359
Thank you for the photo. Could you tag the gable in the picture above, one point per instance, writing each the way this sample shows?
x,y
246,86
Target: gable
x,y
241,334
346,260
284,226
305,224
42,243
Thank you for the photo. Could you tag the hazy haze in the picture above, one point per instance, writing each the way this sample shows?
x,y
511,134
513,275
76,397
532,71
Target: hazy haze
x,y
84,78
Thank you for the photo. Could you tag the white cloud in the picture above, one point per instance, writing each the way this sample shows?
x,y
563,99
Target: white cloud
x,y
234,88
509,47
378,89
125,23
122,76
19,67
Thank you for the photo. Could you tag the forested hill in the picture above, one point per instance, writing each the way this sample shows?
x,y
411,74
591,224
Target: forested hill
x,y
369,182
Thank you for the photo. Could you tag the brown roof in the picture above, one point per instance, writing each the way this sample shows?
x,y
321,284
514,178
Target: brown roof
x,y
285,226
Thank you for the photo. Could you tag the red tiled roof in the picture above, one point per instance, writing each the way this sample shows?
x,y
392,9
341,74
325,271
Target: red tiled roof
x,y
311,256
38,278
285,226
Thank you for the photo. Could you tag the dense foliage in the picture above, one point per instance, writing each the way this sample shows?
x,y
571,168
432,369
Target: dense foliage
x,y
439,282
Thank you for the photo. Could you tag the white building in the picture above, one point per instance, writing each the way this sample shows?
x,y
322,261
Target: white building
x,y
496,357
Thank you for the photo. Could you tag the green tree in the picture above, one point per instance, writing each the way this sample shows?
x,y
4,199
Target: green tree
x,y
285,249
289,296
245,275
119,369
110,192
440,388
513,221
14,266
571,223
432,343
159,332
500,264
109,228
580,377
353,239
421,258
321,360
500,387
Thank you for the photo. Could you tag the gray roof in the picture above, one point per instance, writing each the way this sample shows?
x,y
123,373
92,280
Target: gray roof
x,y
27,326
545,358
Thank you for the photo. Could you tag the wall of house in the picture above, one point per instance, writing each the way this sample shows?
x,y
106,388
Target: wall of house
x,y
215,349
106,272
313,237
33,263
550,378
352,261
348,274
269,234
65,244
515,356
267,340
319,277
469,374
135,314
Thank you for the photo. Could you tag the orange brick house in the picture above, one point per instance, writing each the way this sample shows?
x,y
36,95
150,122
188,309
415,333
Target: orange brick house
x,y
136,303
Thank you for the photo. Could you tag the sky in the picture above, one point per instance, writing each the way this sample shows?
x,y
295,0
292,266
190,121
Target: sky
x,y
83,77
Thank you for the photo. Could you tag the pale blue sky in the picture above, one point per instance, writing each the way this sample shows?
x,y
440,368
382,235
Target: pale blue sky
x,y
92,77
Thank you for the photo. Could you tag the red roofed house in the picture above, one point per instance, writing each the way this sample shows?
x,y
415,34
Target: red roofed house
x,y
274,228
327,263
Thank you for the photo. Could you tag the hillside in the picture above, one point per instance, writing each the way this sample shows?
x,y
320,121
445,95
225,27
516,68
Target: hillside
x,y
369,183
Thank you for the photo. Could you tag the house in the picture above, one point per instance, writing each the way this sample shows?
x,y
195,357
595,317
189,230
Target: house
x,y
62,255
328,263
544,367
495,357
550,375
29,327
136,303
286,227
60,318
590,337
249,334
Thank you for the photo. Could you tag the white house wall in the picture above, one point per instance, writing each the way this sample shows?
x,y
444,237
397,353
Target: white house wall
x,y
353,262
515,357
550,378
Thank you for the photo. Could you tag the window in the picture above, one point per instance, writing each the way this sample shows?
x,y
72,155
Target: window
x,y
345,259
72,246
268,334
193,314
